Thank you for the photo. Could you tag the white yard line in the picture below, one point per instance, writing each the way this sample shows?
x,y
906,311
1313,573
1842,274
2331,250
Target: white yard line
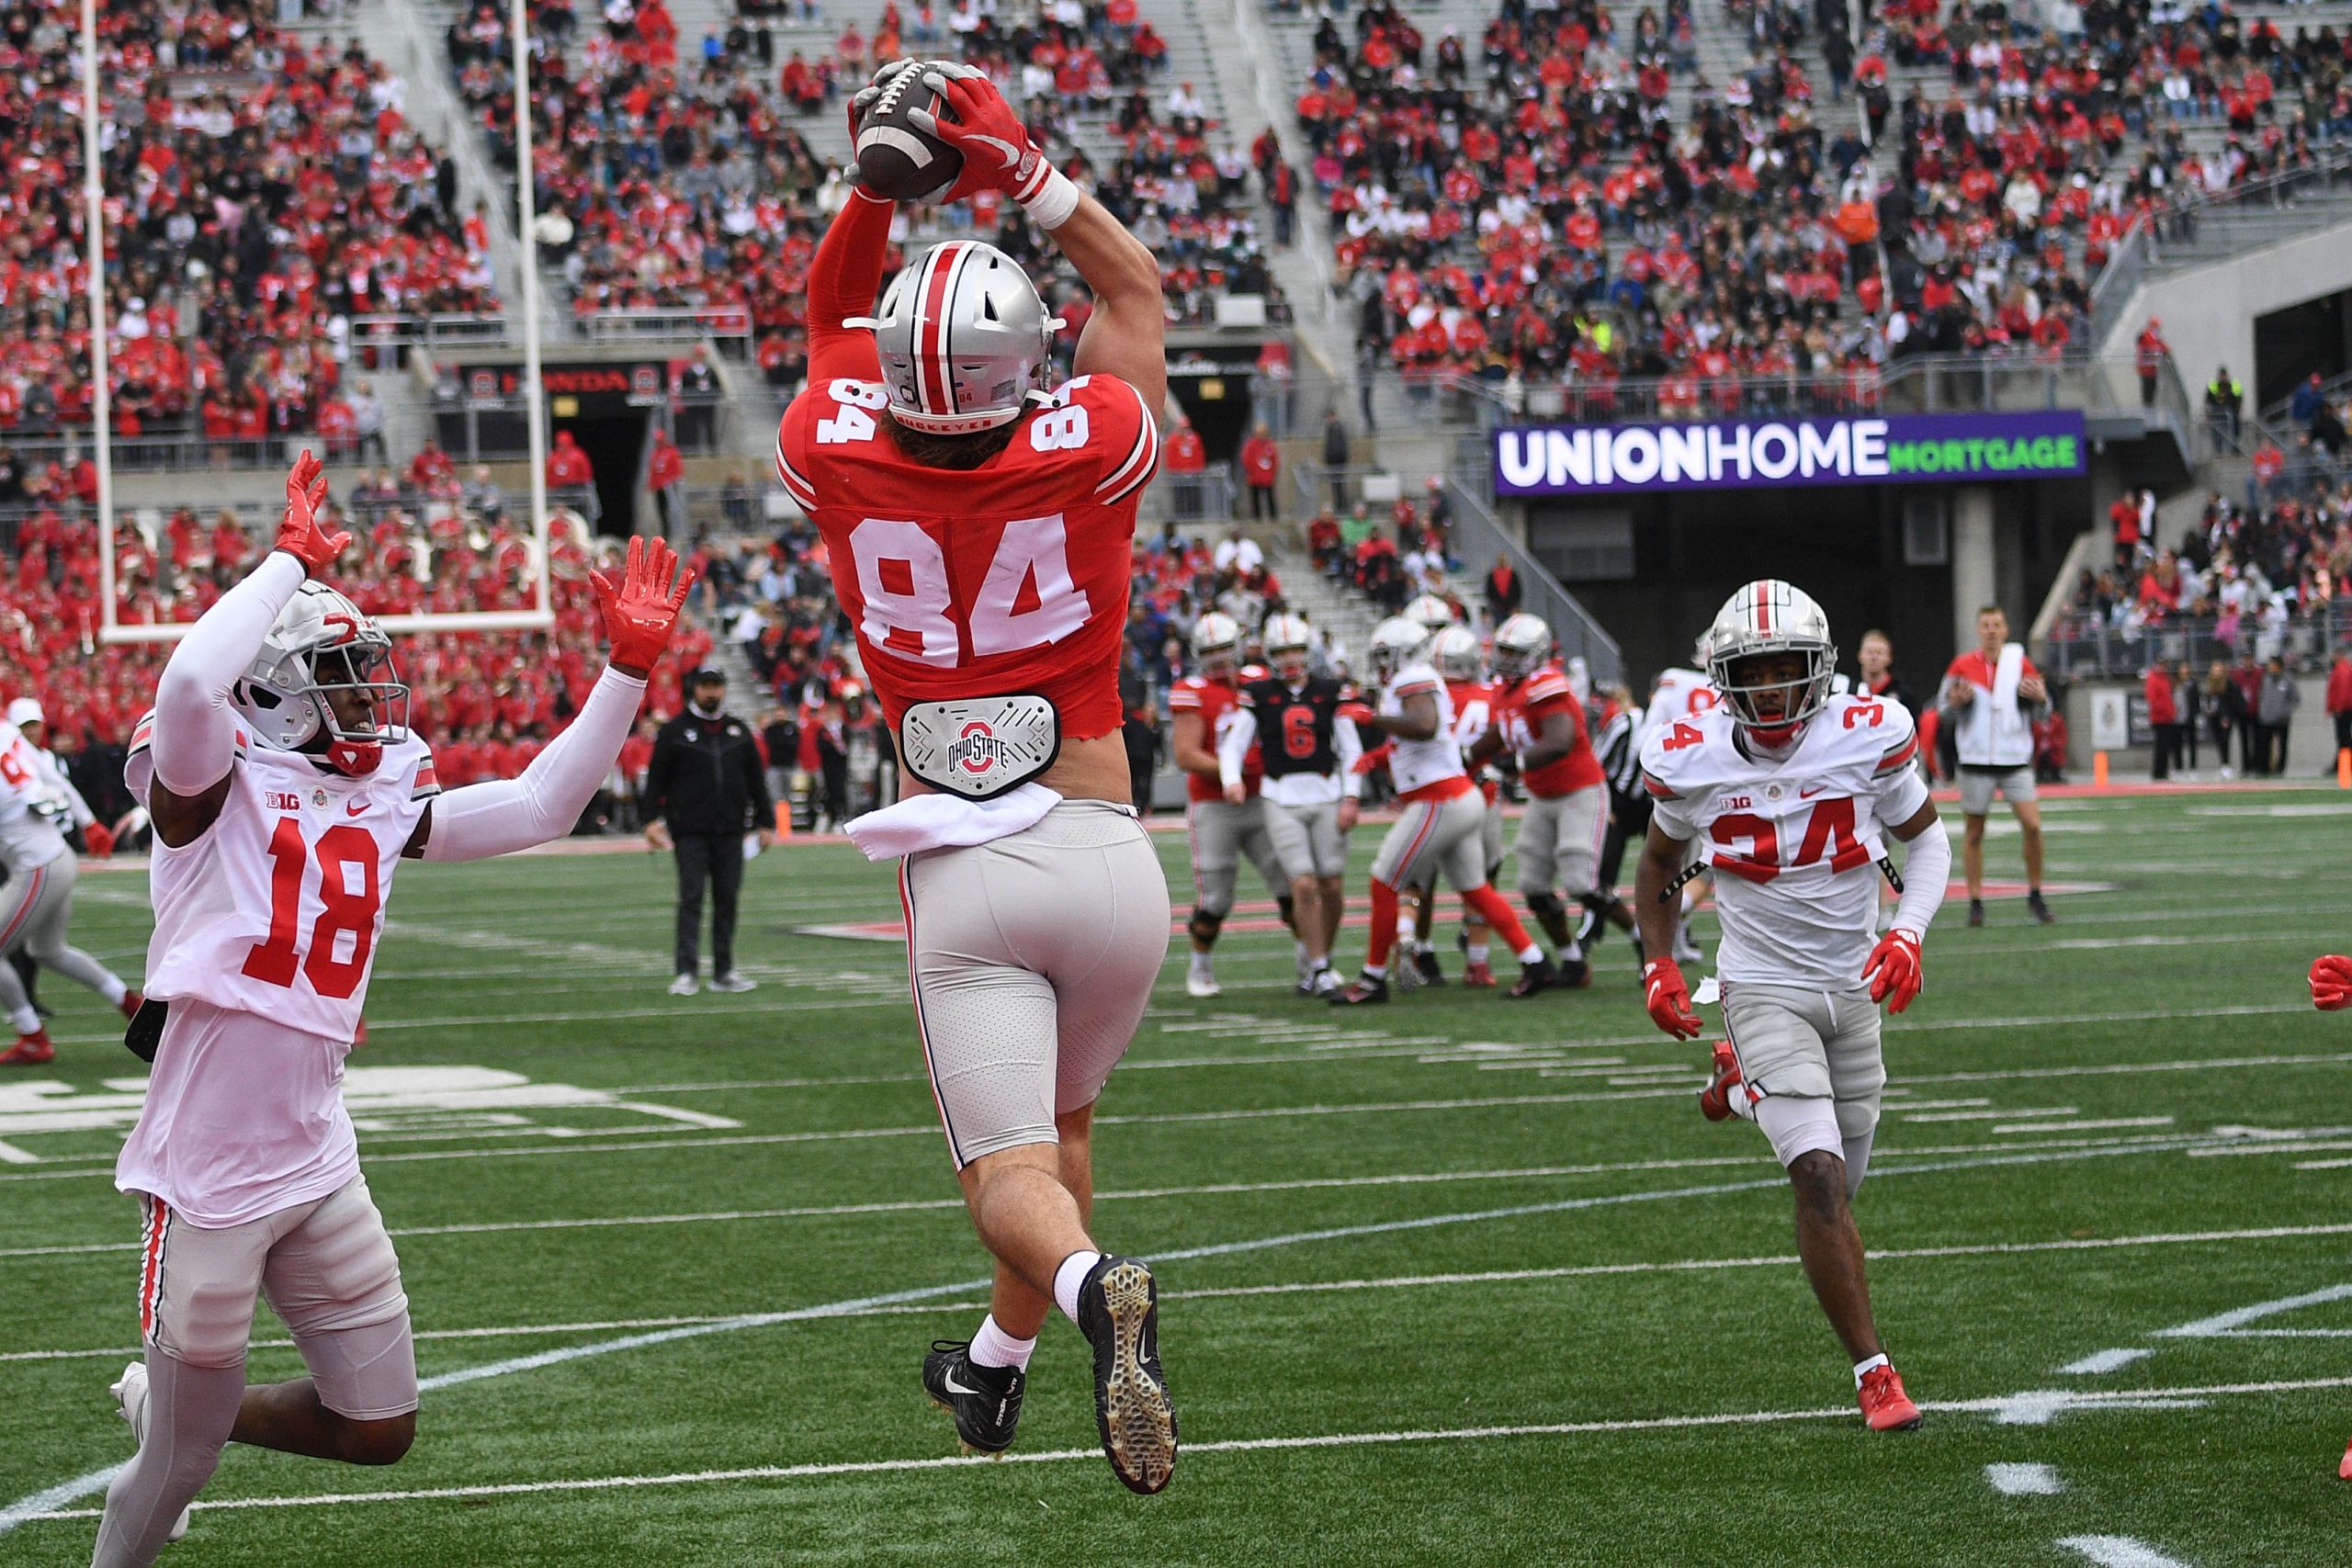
x,y
1984,1115
2224,1321
2024,1479
11,1517
2099,1362
2094,1125
2119,1551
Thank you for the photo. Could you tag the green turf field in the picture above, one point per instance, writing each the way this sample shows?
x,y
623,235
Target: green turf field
x,y
1458,1281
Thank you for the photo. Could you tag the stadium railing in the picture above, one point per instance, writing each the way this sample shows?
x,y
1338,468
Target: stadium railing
x,y
2079,650
682,325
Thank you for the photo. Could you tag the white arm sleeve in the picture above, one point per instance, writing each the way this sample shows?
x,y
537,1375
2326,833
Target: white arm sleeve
x,y
54,776
505,814
1348,746
194,740
1926,872
1234,749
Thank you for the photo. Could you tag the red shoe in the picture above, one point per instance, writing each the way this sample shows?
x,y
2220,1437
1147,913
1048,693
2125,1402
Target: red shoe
x,y
1478,976
2344,1471
131,1002
29,1051
1714,1100
1885,1404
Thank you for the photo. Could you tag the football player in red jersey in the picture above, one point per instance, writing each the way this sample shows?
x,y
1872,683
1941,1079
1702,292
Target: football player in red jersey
x,y
286,788
1205,708
981,529
2330,981
1789,793
1540,718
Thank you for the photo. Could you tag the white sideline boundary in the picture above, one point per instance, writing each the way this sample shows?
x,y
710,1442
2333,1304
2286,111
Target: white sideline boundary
x,y
2105,1359
1229,1445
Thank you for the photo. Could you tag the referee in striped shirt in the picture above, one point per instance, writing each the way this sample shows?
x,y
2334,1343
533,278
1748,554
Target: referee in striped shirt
x,y
1614,722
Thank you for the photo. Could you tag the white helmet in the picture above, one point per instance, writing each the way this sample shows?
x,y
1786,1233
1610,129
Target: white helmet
x,y
1522,643
964,339
1770,616
1429,613
1454,651
322,642
1397,642
1288,641
1216,641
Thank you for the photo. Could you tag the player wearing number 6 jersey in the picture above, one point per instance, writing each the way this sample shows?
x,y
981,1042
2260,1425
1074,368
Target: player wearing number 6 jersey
x,y
286,788
1787,790
980,530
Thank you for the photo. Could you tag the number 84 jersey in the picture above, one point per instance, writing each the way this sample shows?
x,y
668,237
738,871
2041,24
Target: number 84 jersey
x,y
275,908
1009,577
1795,841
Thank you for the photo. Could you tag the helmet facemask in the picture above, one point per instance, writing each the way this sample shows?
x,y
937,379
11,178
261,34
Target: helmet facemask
x,y
1770,693
326,686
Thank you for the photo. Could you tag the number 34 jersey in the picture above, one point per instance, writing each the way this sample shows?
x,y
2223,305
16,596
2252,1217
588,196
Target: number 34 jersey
x,y
275,908
1009,577
1794,842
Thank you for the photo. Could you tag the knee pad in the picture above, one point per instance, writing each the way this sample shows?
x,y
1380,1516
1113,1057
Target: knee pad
x,y
1800,1127
1600,904
1204,926
1546,904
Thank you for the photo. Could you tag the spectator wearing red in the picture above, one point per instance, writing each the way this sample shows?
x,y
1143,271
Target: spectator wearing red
x,y
664,467
1261,464
2124,516
1183,457
2148,354
2164,717
2339,700
567,466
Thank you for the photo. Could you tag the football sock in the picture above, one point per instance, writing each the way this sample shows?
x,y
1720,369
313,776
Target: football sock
x,y
1201,965
1532,953
1383,927
1875,1362
1069,1277
992,1346
1375,971
1476,951
190,1413
1298,951
26,1019
1421,947
1490,907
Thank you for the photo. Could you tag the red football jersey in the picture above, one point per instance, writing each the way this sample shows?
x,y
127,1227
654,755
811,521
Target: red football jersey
x,y
1218,704
1010,576
1521,708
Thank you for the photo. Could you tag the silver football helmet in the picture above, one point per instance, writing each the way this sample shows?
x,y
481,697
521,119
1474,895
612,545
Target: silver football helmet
x,y
1289,641
1454,652
1396,643
1770,616
1431,612
323,643
1522,643
1216,645
964,338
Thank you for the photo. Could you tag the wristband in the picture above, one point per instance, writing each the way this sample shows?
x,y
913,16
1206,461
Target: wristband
x,y
1054,201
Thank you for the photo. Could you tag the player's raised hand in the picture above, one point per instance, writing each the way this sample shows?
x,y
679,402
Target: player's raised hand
x,y
998,153
1669,998
641,609
299,533
2331,983
1893,969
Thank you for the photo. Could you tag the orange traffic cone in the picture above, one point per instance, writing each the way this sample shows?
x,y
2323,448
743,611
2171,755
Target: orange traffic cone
x,y
784,820
2099,770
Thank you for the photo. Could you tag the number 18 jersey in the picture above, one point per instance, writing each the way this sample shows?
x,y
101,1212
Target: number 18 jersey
x,y
1795,841
1009,577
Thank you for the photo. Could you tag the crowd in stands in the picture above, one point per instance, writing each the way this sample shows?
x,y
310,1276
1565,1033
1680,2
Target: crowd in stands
x,y
264,187
1566,198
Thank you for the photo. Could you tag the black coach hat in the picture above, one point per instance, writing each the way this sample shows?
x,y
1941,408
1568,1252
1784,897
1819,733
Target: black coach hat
x,y
707,672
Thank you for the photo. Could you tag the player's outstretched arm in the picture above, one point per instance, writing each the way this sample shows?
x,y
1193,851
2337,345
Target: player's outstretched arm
x,y
194,741
1124,336
505,814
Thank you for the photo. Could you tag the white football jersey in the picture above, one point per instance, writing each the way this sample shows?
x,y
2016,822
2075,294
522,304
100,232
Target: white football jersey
x,y
277,909
1417,764
1794,843
1681,693
27,839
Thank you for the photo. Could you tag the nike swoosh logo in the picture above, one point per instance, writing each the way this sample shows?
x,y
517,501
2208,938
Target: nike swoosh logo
x,y
955,1387
356,808
1809,794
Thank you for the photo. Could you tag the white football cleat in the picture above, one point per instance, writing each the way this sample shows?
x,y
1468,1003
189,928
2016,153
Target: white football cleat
x,y
733,982
1686,951
684,986
1202,986
130,1393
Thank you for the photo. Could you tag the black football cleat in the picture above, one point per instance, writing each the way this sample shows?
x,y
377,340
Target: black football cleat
x,y
1118,1311
2041,911
1426,968
1367,988
985,1401
1540,975
1976,911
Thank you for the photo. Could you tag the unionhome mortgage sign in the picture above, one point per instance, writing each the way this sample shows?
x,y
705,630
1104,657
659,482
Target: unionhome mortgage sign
x,y
1920,448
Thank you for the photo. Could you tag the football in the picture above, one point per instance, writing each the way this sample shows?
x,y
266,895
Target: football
x,y
896,159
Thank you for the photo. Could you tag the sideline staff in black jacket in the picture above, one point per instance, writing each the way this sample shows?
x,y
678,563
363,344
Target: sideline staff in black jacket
x,y
704,790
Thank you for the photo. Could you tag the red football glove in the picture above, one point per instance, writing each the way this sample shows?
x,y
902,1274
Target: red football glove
x,y
998,153
1893,969
98,840
300,534
2331,983
1377,757
1356,713
1669,998
640,611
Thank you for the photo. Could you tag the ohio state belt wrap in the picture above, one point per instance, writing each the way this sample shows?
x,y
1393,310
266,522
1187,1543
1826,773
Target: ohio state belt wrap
x,y
980,747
